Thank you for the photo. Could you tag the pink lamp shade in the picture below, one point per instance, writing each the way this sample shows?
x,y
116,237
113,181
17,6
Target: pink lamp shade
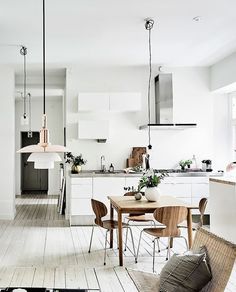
x,y
231,166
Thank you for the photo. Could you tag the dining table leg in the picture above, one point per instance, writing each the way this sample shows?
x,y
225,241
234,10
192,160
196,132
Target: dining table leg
x,y
120,238
111,231
189,225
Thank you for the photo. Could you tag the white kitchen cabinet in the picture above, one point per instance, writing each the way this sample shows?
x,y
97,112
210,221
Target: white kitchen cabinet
x,y
132,182
222,207
81,192
81,207
92,101
179,187
125,101
105,102
93,129
107,186
200,189
82,189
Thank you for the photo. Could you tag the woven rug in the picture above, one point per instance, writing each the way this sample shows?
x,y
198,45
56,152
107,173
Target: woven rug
x,y
145,282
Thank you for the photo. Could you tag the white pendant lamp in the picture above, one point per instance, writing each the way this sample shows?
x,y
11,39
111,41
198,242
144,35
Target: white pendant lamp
x,y
44,147
44,160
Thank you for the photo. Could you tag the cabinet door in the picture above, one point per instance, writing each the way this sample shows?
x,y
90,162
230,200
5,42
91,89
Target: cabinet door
x,y
92,101
81,191
200,190
107,186
93,129
167,189
132,182
125,101
81,207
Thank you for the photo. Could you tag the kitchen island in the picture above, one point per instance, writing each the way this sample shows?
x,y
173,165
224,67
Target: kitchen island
x,y
190,187
222,207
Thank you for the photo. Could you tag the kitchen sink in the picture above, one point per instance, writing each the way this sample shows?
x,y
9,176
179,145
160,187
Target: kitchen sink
x,y
108,172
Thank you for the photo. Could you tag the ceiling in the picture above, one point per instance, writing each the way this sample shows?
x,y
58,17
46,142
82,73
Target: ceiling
x,y
111,32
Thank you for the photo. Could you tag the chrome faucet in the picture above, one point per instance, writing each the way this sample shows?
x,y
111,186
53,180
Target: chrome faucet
x,y
103,166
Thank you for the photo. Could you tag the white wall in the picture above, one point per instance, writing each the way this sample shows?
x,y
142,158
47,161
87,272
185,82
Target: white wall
x,y
193,102
7,149
54,112
223,74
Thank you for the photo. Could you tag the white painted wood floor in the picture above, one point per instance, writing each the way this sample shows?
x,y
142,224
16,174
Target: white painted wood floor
x,y
40,249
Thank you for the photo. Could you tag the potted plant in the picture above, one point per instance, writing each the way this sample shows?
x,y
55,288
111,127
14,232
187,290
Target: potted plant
x,y
150,180
75,161
184,163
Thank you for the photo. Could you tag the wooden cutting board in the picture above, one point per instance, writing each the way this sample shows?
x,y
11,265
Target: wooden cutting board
x,y
137,155
130,162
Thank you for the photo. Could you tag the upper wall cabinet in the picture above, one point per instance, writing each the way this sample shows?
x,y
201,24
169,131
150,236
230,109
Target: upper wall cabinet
x,y
115,102
93,101
125,101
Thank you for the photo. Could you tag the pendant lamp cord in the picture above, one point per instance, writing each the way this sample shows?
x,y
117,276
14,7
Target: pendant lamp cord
x,y
23,52
29,96
44,59
149,25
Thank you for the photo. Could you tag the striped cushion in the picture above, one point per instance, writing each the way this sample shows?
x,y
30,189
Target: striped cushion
x,y
185,273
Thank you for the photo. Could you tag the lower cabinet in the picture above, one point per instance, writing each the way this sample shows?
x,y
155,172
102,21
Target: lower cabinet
x,y
81,192
188,189
81,207
107,186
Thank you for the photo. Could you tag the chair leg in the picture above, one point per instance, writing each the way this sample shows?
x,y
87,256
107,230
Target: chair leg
x,y
168,249
105,253
153,260
138,246
158,244
185,241
132,238
126,236
91,238
117,243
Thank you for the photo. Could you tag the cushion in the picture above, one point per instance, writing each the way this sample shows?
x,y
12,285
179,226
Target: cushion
x,y
145,282
186,273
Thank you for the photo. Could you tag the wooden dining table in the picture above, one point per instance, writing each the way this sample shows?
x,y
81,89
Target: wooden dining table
x,y
128,204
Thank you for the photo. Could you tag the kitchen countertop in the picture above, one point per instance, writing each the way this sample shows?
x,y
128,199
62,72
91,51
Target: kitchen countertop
x,y
224,180
93,173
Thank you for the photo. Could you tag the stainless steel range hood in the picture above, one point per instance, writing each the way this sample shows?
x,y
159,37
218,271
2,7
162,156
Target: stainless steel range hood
x,y
164,106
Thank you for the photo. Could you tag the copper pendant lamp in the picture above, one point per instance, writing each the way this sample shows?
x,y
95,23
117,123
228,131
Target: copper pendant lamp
x,y
44,154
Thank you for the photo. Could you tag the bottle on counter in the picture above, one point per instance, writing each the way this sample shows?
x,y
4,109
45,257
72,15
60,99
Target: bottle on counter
x,y
194,162
111,168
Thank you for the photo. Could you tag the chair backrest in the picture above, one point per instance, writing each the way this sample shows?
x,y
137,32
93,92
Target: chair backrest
x,y
221,253
202,208
171,216
100,210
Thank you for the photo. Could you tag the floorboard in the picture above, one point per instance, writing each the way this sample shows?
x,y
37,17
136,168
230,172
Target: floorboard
x,y
40,249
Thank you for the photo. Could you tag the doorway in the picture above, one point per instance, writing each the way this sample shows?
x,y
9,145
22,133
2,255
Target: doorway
x,y
33,181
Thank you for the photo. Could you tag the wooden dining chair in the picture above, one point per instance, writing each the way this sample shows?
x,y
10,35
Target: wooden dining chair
x,y
138,217
170,217
100,211
196,225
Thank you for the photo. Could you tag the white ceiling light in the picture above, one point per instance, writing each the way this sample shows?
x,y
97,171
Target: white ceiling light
x,y
44,160
44,146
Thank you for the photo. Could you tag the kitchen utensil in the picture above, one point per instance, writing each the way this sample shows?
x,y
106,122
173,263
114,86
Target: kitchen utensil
x,y
207,165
